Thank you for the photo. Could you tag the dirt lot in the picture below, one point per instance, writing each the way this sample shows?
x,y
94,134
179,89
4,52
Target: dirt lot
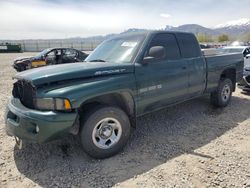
x,y
188,145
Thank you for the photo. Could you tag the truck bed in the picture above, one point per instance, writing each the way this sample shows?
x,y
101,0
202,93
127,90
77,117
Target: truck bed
x,y
217,63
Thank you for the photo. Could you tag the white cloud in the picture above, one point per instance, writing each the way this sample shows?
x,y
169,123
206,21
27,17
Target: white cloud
x,y
52,19
63,18
165,15
41,19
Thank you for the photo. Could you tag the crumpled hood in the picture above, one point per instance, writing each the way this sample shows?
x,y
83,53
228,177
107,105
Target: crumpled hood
x,y
23,58
55,73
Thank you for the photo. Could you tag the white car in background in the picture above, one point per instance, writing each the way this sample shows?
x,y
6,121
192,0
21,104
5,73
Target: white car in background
x,y
245,50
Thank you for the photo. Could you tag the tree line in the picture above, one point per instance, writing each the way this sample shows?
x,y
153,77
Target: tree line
x,y
222,38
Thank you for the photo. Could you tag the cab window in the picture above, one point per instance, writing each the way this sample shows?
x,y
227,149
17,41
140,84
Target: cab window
x,y
189,45
51,54
169,43
70,53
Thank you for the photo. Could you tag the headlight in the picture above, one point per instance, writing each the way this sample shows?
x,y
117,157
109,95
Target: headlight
x,y
52,104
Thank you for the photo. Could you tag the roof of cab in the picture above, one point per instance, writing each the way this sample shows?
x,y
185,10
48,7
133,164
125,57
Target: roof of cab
x,y
61,48
159,31
148,32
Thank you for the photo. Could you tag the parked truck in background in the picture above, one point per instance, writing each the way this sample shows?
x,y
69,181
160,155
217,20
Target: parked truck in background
x,y
124,77
10,48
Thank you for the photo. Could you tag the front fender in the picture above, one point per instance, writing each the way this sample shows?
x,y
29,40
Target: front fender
x,y
88,89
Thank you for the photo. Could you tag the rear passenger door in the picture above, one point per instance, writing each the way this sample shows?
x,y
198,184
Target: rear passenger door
x,y
196,63
69,56
162,81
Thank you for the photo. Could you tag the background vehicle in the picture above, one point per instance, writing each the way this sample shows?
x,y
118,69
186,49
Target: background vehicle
x,y
244,84
245,50
205,46
50,56
125,77
8,48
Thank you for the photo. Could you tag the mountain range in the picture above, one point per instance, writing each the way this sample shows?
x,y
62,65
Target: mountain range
x,y
233,28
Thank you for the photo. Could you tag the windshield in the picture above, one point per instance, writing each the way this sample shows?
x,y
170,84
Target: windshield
x,y
42,53
118,50
231,50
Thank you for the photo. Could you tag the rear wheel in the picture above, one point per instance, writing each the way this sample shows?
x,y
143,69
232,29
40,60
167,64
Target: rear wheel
x,y
222,96
105,131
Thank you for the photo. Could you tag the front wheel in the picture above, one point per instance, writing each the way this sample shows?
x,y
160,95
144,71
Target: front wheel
x,y
105,131
222,96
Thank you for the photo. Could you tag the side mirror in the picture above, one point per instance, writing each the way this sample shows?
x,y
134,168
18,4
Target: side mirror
x,y
155,52
147,60
247,56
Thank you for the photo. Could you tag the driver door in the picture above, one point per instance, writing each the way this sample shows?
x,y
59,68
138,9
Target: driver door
x,y
161,81
50,58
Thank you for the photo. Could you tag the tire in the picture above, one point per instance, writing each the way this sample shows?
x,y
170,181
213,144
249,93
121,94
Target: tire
x,y
105,131
222,96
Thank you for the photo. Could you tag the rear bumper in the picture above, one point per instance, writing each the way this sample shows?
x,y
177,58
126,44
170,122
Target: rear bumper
x,y
36,126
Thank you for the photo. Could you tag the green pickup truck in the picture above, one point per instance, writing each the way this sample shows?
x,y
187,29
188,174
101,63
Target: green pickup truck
x,y
124,77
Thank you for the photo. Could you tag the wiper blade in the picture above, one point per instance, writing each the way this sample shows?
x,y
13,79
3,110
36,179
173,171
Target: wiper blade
x,y
97,60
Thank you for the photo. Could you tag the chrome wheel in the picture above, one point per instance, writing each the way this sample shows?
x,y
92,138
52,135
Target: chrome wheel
x,y
226,92
106,133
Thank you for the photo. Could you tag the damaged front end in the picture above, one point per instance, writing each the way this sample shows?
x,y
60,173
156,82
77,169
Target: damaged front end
x,y
22,65
26,122
25,92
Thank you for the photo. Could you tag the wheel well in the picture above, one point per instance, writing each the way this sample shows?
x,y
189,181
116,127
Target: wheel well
x,y
123,100
231,74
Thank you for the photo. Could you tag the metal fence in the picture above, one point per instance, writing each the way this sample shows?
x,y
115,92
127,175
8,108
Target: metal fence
x,y
36,46
39,45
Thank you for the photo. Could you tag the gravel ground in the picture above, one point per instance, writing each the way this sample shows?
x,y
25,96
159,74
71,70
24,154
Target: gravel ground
x,y
188,145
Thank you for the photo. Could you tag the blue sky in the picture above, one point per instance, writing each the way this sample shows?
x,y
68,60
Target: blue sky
x,y
61,18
